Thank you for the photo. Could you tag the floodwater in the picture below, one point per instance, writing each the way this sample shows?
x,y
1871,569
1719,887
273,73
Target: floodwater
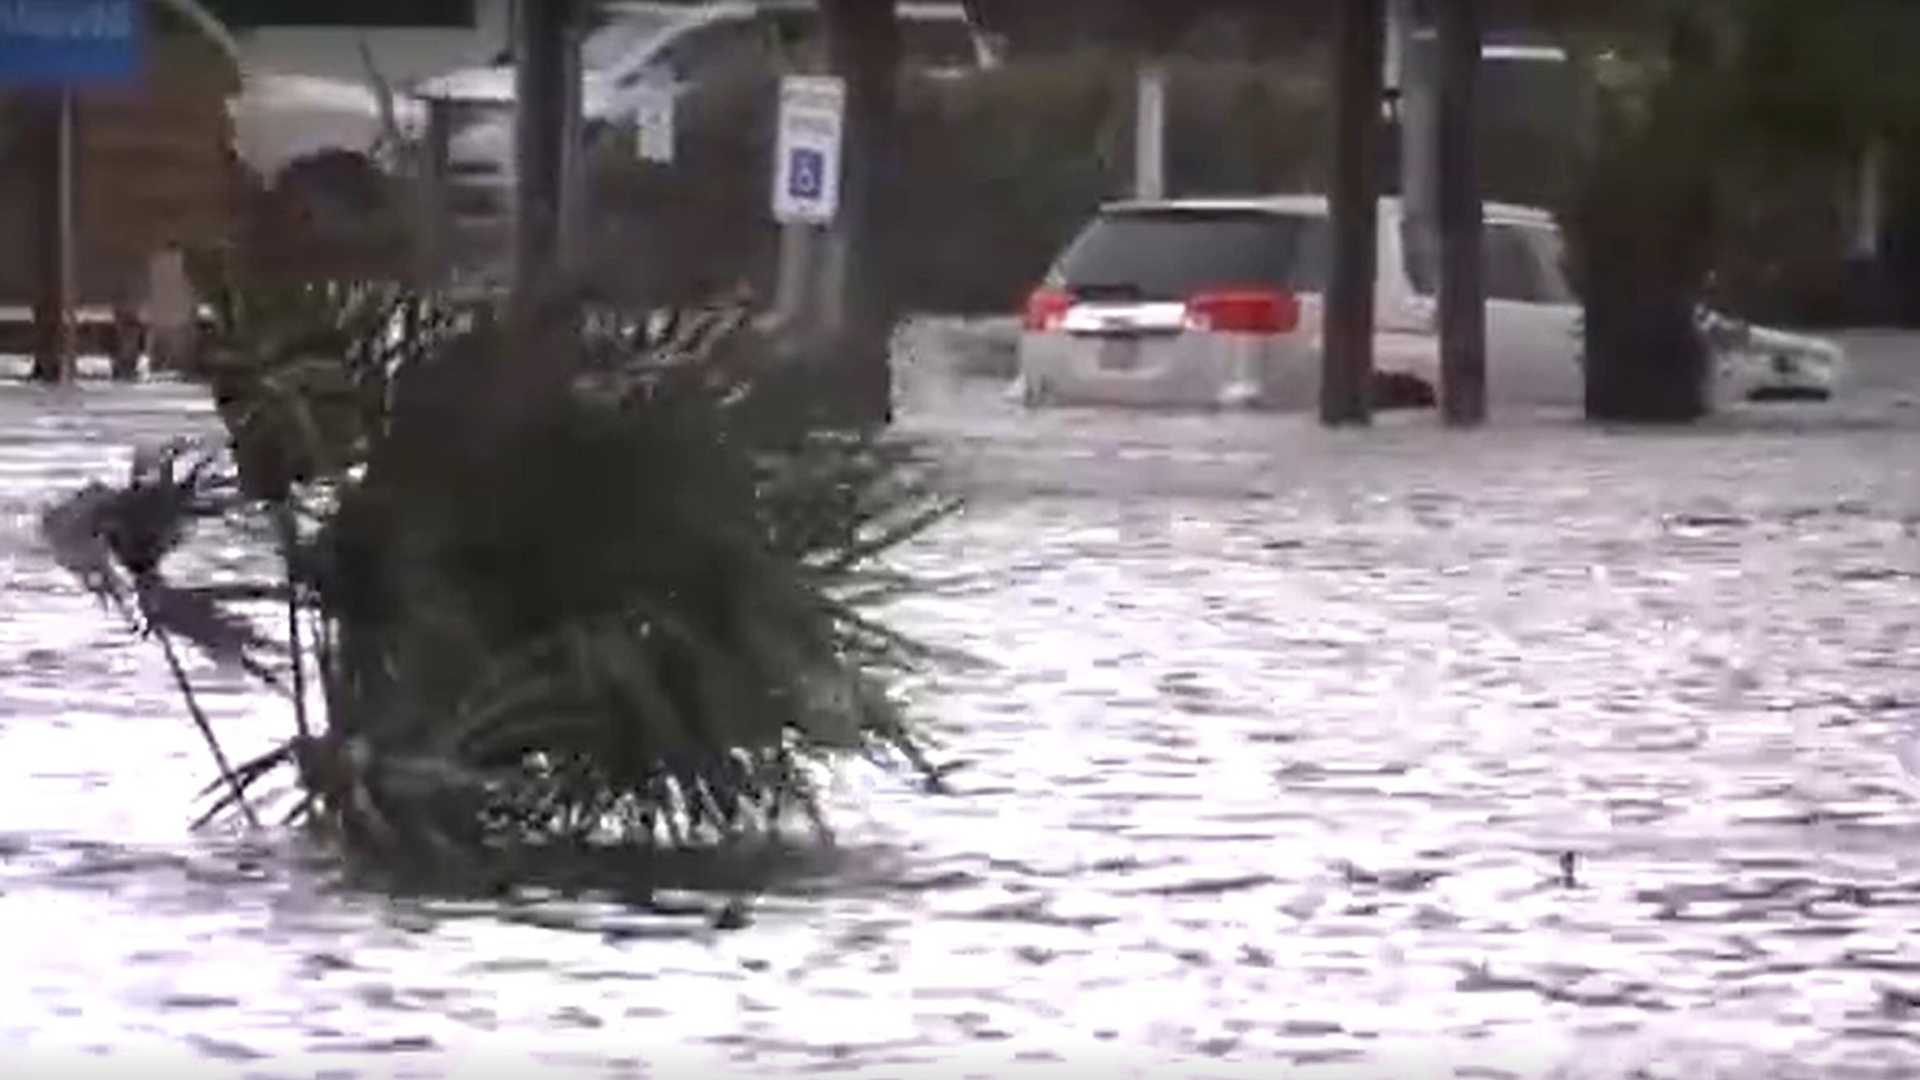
x,y
1281,743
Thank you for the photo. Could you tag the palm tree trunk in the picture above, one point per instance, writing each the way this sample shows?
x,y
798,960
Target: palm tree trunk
x,y
1644,228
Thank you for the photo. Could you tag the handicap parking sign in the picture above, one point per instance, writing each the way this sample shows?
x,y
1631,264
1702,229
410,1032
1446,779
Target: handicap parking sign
x,y
806,175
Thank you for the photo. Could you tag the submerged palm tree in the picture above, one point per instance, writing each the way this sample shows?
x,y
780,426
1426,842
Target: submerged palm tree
x,y
637,615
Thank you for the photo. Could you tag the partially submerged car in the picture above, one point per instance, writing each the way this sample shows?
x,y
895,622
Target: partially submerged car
x,y
1219,302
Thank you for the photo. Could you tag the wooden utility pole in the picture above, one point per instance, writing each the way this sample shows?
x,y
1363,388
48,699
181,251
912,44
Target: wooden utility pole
x,y
1463,309
864,48
433,241
541,33
1346,376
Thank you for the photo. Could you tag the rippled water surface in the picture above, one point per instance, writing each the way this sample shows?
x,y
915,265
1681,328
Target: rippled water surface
x,y
1280,744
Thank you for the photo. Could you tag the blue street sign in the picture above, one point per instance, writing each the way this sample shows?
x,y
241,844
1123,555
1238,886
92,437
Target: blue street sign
x,y
807,178
70,42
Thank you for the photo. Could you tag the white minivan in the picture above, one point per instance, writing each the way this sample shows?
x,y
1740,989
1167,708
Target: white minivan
x,y
1218,303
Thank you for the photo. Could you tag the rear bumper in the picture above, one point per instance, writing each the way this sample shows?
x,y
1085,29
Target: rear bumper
x,y
1185,370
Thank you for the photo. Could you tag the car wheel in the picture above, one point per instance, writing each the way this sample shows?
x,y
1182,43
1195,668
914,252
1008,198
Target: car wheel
x,y
1033,394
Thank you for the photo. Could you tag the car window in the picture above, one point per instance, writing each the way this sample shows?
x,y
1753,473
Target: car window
x,y
1520,263
1171,254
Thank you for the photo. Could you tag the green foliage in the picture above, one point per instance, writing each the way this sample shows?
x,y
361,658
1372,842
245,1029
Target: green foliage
x,y
1829,76
638,614
1800,90
312,361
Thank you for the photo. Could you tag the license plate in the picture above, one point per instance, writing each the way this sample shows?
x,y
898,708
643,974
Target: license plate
x,y
1119,354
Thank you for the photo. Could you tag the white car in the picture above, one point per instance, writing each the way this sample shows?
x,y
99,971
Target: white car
x,y
1218,303
644,46
1758,363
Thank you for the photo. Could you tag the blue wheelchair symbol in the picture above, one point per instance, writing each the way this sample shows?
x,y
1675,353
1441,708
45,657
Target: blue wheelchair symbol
x,y
806,174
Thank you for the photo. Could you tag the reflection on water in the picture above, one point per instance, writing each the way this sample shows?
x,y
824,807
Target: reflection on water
x,y
1283,742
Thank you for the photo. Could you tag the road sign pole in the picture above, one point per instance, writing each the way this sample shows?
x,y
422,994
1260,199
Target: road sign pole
x,y
53,299
794,297
806,200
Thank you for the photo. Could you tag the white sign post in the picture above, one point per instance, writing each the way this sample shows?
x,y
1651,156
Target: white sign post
x,y
653,123
806,188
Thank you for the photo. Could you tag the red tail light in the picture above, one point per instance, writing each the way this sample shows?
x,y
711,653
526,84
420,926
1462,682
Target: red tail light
x,y
1047,309
1244,311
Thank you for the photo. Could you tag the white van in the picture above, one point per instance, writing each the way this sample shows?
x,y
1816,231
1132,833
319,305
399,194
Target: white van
x,y
1218,302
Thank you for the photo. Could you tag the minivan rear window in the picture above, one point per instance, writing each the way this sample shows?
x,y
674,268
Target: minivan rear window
x,y
1172,253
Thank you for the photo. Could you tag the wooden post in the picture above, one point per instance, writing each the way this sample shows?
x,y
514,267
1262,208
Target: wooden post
x,y
540,127
1347,360
435,216
573,164
864,48
52,138
1463,309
